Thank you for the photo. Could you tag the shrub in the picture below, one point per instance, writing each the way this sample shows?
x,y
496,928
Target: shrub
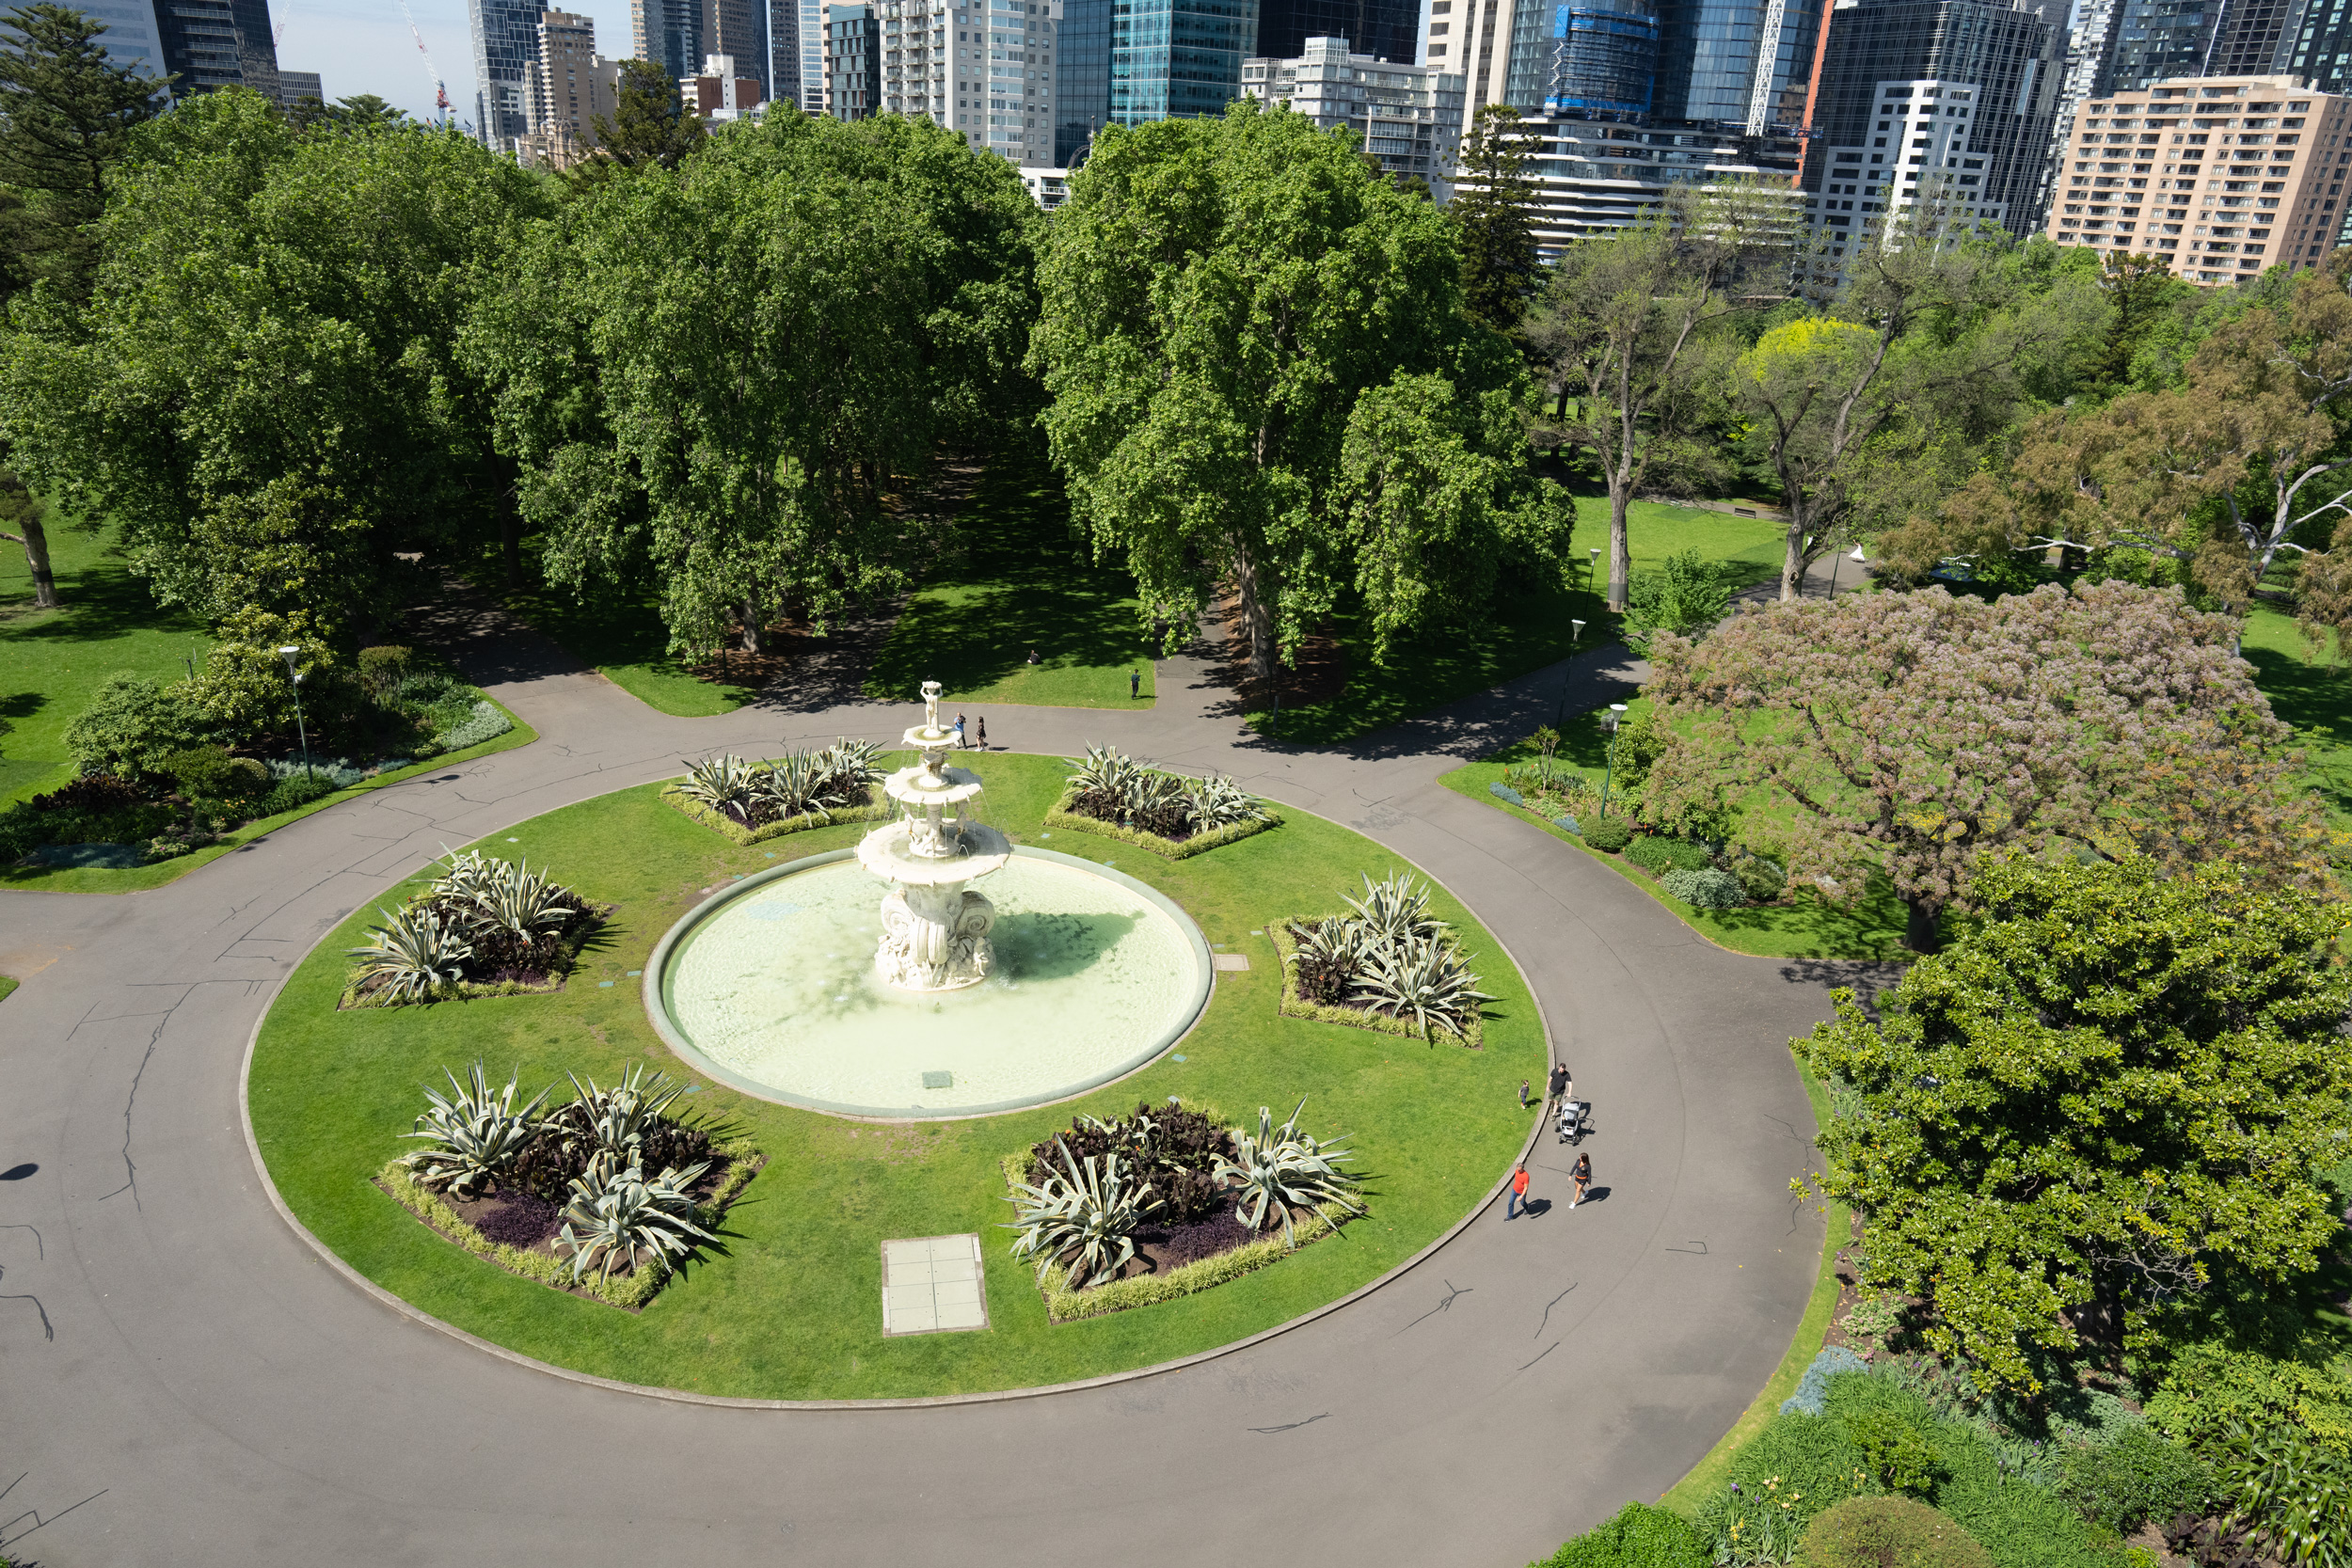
x,y
132,725
293,794
209,776
1812,1391
1763,880
1609,833
97,793
484,723
1640,1536
1889,1532
2139,1477
1896,1448
1686,595
1705,890
382,671
1659,855
1808,1463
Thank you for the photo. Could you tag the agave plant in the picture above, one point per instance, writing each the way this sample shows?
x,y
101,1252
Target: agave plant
x,y
517,902
1394,911
850,766
1423,978
727,785
799,784
1082,1217
1284,1171
615,1122
1216,801
466,873
1104,775
476,1132
1155,803
412,954
1329,953
617,1215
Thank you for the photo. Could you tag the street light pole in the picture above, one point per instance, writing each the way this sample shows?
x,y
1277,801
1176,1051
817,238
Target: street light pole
x,y
1592,570
301,727
1609,721
1576,635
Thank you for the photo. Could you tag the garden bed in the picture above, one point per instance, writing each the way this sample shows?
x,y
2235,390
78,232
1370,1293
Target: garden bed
x,y
1063,816
1292,1004
873,809
516,1232
563,952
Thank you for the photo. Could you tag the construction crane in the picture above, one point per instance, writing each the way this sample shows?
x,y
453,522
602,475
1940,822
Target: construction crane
x,y
440,94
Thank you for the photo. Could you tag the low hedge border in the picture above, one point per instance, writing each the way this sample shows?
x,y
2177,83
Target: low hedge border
x,y
874,810
1171,848
1295,1005
629,1292
475,991
1064,1306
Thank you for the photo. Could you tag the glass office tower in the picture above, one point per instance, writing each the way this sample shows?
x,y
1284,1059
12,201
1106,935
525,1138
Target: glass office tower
x,y
1178,58
1082,79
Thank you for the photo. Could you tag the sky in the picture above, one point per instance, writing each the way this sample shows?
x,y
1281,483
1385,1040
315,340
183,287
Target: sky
x,y
365,46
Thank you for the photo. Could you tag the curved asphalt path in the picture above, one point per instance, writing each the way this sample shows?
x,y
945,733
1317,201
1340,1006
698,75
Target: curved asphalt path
x,y
186,1382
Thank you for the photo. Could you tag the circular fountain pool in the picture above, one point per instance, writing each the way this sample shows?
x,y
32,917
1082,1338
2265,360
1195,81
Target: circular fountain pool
x,y
771,986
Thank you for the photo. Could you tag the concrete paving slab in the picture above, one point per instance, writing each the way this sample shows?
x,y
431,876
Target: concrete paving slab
x,y
932,1285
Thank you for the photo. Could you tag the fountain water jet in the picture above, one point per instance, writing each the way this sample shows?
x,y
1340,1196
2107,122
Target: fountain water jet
x,y
934,928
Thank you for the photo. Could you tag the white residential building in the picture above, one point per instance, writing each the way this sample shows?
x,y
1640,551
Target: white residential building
x,y
984,67
1409,116
1917,155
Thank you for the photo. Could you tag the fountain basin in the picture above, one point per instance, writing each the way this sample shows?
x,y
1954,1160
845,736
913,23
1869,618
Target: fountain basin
x,y
771,987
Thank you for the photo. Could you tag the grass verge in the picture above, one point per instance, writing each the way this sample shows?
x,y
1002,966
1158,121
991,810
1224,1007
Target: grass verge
x,y
7,985
1025,582
2315,696
793,1308
53,661
138,878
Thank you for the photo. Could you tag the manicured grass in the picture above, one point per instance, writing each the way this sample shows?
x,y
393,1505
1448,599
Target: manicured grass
x,y
1025,582
2315,696
794,1309
1812,927
7,985
53,661
138,878
1524,633
620,636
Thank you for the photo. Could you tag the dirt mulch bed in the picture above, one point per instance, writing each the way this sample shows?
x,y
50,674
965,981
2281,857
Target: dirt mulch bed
x,y
1319,674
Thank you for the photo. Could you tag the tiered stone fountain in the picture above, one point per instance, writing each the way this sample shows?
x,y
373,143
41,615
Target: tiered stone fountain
x,y
934,928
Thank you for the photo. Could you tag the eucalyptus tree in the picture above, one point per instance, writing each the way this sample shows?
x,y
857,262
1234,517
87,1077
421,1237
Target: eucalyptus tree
x,y
260,391
728,377
1254,348
1627,334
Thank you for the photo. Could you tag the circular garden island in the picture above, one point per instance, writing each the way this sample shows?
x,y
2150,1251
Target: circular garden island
x,y
636,1209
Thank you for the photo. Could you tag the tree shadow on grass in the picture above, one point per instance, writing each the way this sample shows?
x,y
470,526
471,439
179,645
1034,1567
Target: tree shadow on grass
x,y
103,601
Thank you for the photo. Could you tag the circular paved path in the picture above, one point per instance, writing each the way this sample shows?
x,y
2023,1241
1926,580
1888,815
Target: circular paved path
x,y
186,1382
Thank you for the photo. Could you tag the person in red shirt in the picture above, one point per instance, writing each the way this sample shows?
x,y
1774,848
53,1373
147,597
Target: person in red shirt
x,y
1517,1200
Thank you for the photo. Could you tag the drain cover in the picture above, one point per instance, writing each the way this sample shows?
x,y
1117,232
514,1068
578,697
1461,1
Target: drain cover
x,y
939,1080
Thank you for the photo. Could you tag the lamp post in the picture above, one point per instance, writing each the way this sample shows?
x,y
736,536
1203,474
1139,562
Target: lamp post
x,y
1609,721
1592,570
301,728
1576,635
1857,558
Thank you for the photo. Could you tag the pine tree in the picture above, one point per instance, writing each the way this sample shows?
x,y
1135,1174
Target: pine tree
x,y
1489,207
65,111
649,124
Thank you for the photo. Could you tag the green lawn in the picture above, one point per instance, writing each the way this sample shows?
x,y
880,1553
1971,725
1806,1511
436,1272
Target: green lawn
x,y
621,636
52,662
794,1309
1524,633
2315,697
7,985
1025,582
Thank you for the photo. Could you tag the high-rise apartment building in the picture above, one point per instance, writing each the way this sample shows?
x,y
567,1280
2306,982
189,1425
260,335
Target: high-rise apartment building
x,y
669,33
739,30
505,68
211,44
2221,177
853,61
1177,58
2315,43
2008,54
1918,166
1409,116
295,85
796,52
572,88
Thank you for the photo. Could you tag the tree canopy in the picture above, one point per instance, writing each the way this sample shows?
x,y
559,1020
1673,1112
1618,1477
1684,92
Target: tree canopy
x,y
2119,1083
67,110
1222,301
1492,195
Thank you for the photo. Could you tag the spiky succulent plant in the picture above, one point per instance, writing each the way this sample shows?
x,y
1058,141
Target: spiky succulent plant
x,y
412,954
517,902
727,785
1083,1217
462,875
850,766
1329,954
1216,801
1284,1172
476,1132
618,1216
616,1121
799,784
1423,978
1105,773
1396,909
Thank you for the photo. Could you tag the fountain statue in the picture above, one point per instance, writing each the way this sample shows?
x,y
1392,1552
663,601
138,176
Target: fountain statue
x,y
934,928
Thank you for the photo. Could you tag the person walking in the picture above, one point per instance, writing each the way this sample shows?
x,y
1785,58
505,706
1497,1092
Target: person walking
x,y
1135,683
959,732
1517,1202
1561,1083
1524,1101
983,732
1584,1177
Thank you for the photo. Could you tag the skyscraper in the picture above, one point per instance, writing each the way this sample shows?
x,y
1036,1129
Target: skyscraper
x,y
1176,58
132,36
1736,62
2315,43
211,44
1409,116
853,61
505,64
1082,78
1385,29
739,29
667,32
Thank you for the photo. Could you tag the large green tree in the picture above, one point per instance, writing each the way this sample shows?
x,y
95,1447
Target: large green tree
x,y
730,378
66,113
2120,1083
262,391
1222,300
1491,198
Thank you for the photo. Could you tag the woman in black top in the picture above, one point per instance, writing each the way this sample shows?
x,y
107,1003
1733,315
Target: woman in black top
x,y
1584,1177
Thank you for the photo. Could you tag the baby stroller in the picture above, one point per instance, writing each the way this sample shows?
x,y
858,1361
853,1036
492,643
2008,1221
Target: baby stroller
x,y
1576,1119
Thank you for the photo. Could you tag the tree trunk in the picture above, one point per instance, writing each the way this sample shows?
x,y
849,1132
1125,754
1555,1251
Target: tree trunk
x,y
754,632
36,545
511,542
1620,548
1792,565
1919,933
1257,613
